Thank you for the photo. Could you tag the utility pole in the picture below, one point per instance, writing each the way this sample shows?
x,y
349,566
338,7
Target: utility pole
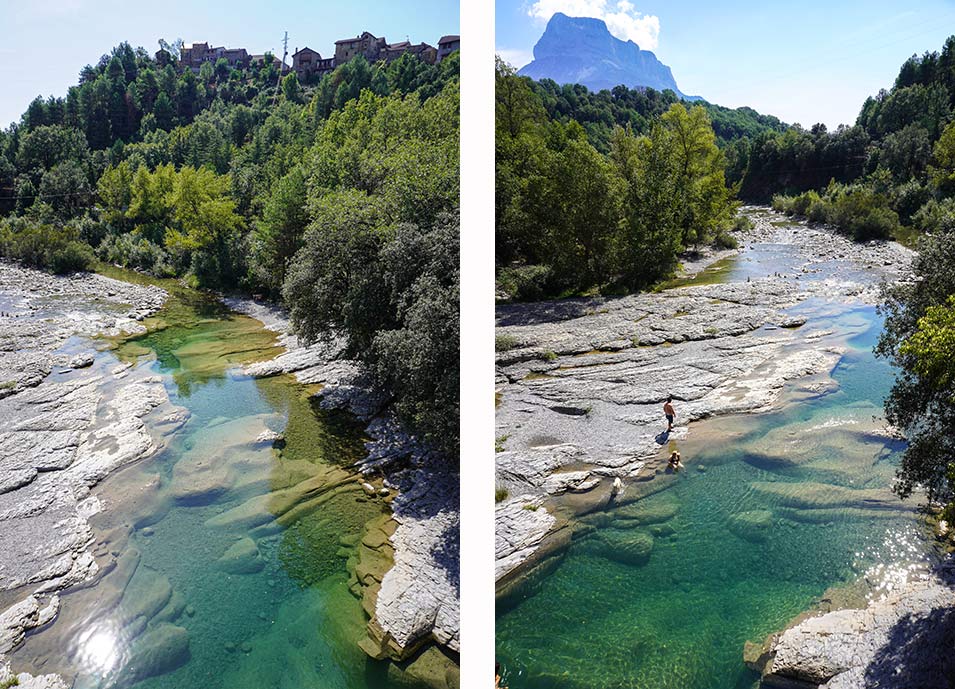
x,y
284,52
278,82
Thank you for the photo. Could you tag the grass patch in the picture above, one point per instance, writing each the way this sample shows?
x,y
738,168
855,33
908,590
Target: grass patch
x,y
549,356
500,495
499,442
530,507
504,342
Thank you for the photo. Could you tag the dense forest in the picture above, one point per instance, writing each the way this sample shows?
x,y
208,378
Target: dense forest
x,y
576,214
892,171
891,174
340,198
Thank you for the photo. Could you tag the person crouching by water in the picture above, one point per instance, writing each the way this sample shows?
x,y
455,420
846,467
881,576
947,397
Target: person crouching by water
x,y
669,412
675,462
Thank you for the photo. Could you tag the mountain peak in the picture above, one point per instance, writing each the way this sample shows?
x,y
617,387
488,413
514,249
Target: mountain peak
x,y
581,50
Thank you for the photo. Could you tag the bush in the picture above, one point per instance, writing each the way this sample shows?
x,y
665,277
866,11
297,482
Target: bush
x,y
935,216
818,211
504,342
861,212
801,203
742,223
724,240
44,246
525,283
782,203
138,253
908,198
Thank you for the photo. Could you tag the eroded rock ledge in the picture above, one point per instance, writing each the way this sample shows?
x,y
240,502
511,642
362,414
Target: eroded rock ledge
x,y
900,641
581,382
69,420
417,599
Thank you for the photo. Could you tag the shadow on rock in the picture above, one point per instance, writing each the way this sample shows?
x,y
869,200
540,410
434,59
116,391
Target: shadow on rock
x,y
918,653
535,313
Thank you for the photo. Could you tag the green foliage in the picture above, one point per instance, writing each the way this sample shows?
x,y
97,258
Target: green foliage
x,y
505,342
44,246
500,494
854,209
378,266
571,219
919,338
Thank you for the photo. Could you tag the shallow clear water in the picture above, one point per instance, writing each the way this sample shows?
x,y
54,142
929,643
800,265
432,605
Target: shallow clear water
x,y
284,618
739,547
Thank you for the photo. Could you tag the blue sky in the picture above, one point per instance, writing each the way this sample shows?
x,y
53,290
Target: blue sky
x,y
811,61
45,43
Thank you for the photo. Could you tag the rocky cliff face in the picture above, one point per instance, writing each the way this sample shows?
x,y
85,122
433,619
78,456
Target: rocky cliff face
x,y
580,50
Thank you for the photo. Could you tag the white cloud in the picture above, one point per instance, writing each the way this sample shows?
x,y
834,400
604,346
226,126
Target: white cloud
x,y
515,56
622,18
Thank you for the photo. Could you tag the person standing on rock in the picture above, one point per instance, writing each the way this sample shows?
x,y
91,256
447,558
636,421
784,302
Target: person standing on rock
x,y
669,412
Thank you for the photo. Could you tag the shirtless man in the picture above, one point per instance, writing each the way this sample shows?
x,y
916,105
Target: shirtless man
x,y
669,413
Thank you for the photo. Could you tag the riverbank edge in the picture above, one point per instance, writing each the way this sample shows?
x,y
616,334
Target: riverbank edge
x,y
406,615
40,607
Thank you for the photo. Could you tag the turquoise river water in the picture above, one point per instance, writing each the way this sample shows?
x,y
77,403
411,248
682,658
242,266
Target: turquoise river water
x,y
772,510
283,617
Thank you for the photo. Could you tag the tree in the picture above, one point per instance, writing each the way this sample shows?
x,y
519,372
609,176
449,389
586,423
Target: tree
x,y
46,146
66,188
279,233
943,170
290,88
918,339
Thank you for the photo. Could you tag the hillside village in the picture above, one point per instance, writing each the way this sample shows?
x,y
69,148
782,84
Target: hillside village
x,y
309,65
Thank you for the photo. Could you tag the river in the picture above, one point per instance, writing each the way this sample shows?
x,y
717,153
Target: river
x,y
236,551
771,512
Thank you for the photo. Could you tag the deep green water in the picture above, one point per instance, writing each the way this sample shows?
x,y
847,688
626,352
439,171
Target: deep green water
x,y
294,623
713,580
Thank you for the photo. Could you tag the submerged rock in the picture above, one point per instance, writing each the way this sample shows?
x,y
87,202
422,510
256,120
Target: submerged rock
x,y
242,557
752,525
159,650
627,547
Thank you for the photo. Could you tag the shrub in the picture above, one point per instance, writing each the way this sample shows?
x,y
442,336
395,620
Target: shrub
x,y
818,211
500,494
935,216
44,246
801,203
782,203
861,212
525,283
133,251
742,223
724,240
908,198
504,342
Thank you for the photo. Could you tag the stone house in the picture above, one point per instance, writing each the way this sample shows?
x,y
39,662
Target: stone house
x,y
447,45
366,44
194,55
308,63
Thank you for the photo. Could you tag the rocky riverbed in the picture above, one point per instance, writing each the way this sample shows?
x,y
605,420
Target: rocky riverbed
x,y
72,418
581,382
418,598
67,424
581,385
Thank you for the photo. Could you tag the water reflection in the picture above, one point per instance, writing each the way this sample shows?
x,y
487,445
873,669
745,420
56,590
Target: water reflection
x,y
99,649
